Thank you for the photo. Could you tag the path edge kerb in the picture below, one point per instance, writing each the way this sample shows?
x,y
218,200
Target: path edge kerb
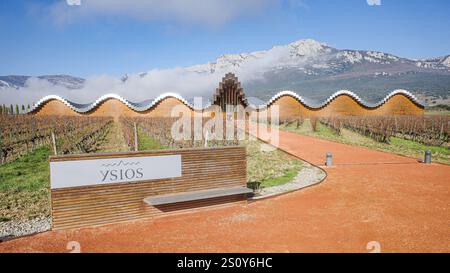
x,y
250,200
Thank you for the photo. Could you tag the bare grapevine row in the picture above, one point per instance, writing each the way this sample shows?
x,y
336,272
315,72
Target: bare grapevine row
x,y
432,130
20,134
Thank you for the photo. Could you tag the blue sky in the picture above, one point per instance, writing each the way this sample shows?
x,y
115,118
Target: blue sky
x,y
116,37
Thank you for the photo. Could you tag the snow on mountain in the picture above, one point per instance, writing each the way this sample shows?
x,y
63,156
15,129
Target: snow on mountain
x,y
292,54
381,56
350,56
312,57
17,81
446,61
67,81
440,63
4,85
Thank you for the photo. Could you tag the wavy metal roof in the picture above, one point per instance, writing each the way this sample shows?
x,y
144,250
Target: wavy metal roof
x,y
148,104
362,102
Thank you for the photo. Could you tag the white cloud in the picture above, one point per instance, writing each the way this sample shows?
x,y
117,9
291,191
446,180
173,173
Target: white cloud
x,y
136,88
374,2
208,12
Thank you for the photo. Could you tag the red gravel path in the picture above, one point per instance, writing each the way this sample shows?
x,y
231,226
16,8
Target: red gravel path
x,y
368,196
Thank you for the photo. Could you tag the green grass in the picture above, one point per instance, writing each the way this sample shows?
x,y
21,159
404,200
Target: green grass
x,y
147,143
306,129
325,131
24,187
409,144
269,167
29,172
288,176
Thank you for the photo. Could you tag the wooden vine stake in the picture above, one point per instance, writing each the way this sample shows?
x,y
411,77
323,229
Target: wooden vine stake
x,y
54,143
135,138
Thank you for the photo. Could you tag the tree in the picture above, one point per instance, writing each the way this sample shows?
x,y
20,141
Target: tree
x,y
23,108
11,109
17,109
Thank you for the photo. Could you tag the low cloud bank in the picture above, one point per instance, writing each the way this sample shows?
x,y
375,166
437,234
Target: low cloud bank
x,y
136,88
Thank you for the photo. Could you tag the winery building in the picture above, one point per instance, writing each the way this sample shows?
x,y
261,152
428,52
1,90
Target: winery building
x,y
230,92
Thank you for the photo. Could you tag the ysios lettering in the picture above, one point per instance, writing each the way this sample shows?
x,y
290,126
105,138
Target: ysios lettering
x,y
122,174
113,175
104,174
140,173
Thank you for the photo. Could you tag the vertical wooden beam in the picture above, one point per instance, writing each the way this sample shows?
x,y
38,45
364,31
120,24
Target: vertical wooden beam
x,y
135,138
54,143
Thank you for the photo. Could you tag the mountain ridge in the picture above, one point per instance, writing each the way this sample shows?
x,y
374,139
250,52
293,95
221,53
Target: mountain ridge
x,y
313,69
18,81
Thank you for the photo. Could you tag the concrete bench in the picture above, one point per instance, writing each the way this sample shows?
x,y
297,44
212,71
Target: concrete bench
x,y
195,195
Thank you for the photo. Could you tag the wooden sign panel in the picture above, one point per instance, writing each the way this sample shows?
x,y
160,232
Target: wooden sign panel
x,y
78,202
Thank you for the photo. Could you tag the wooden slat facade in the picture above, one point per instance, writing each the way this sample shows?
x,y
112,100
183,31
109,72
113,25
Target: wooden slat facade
x,y
202,169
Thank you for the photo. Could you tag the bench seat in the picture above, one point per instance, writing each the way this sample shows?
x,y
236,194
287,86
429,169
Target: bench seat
x,y
195,195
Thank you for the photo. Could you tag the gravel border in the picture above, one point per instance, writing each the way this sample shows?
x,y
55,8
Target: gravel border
x,y
12,229
308,175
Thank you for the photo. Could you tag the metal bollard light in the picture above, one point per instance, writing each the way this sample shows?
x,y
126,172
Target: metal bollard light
x,y
427,159
329,160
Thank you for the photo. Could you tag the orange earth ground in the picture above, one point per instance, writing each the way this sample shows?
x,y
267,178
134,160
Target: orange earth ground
x,y
368,196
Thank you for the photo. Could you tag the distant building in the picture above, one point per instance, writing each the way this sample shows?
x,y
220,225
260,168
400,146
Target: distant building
x,y
230,92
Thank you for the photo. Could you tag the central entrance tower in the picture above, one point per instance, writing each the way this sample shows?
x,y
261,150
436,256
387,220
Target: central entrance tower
x,y
229,92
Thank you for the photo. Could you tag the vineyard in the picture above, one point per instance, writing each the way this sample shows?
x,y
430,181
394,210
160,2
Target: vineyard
x,y
433,130
160,129
428,130
20,134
